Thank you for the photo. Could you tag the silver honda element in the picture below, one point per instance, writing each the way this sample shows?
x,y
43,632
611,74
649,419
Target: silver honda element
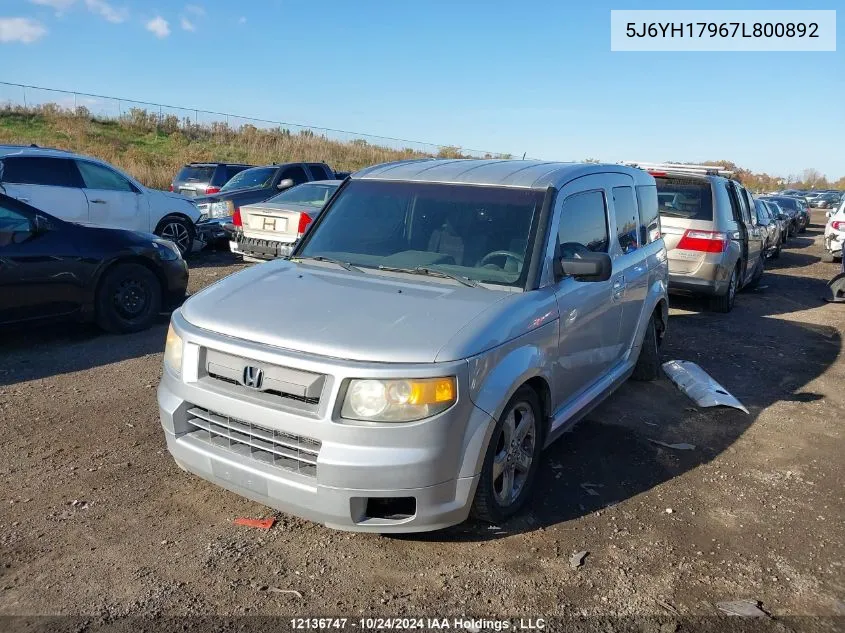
x,y
441,323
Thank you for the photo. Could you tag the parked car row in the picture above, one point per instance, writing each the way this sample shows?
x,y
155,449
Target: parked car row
x,y
717,234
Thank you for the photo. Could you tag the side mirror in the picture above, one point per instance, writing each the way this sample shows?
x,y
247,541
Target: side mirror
x,y
41,224
287,183
587,267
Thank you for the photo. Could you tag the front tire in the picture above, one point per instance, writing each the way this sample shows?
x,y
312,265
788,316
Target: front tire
x,y
512,459
179,231
128,299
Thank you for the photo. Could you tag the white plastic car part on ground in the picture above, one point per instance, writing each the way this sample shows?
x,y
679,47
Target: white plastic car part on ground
x,y
699,386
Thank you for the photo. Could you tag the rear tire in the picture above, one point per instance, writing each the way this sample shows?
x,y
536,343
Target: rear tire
x,y
648,365
725,303
128,299
503,487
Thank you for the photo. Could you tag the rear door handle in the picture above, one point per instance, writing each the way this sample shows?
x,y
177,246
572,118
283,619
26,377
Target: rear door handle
x,y
98,201
24,199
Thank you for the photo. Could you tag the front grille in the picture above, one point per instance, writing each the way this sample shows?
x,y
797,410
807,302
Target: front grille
x,y
272,392
287,451
280,386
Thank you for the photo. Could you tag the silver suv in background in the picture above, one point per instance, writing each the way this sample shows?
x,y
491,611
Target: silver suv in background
x,y
204,179
710,227
441,323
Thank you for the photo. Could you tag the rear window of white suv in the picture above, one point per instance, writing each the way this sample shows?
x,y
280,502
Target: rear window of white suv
x,y
686,198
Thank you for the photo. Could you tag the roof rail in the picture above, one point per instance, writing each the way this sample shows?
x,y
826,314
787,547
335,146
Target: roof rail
x,y
705,170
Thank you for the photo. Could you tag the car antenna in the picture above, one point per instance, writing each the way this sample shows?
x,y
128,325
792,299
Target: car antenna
x,y
523,155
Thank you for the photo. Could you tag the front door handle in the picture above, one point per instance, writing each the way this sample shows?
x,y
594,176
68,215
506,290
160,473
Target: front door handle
x,y
98,201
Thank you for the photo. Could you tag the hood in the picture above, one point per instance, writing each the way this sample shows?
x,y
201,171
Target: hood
x,y
335,313
116,235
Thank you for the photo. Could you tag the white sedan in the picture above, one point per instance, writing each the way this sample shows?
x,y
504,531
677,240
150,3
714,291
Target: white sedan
x,y
834,234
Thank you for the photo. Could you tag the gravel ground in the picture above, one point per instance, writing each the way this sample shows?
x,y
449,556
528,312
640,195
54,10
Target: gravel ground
x,y
97,520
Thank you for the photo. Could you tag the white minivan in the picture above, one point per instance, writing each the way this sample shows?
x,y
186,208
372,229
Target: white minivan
x,y
88,191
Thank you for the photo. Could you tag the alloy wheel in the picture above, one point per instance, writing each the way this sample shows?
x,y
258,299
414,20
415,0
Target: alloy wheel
x,y
514,454
177,233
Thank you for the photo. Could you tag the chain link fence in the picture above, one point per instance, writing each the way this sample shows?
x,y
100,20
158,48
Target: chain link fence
x,y
169,118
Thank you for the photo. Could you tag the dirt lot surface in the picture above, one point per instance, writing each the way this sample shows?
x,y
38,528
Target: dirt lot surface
x,y
97,520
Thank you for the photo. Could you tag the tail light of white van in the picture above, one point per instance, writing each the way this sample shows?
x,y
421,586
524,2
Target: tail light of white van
x,y
304,221
703,241
837,225
236,217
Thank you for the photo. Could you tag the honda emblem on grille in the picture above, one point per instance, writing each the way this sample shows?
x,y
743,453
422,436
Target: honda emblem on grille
x,y
253,377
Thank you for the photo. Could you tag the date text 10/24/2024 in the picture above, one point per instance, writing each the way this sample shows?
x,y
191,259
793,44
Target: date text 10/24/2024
x,y
470,625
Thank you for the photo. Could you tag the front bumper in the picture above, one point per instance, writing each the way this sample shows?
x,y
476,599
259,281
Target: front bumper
x,y
434,463
175,274
214,229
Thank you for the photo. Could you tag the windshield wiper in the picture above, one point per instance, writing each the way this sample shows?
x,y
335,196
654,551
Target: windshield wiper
x,y
422,270
329,260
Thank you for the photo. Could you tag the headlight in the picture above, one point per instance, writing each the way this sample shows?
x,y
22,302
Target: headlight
x,y
398,400
167,250
173,351
221,209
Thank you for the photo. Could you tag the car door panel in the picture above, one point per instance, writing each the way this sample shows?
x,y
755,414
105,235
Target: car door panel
x,y
50,184
113,201
630,266
589,330
41,275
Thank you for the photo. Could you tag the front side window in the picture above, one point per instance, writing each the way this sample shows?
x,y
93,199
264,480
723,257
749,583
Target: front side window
x,y
319,172
627,219
295,173
583,224
38,170
14,225
249,178
309,194
482,233
98,177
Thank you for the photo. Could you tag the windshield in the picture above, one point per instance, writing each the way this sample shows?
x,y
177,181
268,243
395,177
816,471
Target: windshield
x,y
481,233
255,177
687,198
310,194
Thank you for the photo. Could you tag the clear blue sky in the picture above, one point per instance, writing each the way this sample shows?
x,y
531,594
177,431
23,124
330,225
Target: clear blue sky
x,y
535,77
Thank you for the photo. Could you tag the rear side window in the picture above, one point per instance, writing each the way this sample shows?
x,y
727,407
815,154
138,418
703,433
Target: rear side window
x,y
35,170
319,172
627,220
103,178
583,224
196,173
295,173
649,217
687,198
